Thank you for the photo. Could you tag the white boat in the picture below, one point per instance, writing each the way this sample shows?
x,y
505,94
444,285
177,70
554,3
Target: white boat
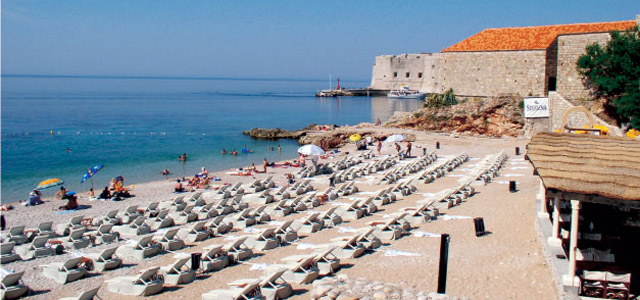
x,y
406,93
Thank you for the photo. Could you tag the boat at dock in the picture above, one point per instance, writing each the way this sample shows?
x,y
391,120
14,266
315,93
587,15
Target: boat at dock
x,y
406,93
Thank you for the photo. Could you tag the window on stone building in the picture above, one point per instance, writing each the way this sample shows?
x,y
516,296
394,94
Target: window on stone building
x,y
407,74
552,84
420,75
395,74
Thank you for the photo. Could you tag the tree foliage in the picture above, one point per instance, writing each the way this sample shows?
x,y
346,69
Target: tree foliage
x,y
612,72
441,100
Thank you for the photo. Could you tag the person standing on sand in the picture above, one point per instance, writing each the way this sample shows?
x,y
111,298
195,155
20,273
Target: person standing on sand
x,y
398,148
379,146
408,148
265,163
378,122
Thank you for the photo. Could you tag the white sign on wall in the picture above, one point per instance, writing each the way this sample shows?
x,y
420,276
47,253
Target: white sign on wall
x,y
536,107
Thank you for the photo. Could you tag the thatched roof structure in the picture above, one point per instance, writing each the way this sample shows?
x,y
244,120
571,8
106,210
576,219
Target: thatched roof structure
x,y
588,165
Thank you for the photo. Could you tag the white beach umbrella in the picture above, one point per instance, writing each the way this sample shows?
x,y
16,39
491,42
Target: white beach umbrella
x,y
310,150
395,138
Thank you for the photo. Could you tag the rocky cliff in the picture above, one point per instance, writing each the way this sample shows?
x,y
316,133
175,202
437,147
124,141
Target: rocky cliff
x,y
496,116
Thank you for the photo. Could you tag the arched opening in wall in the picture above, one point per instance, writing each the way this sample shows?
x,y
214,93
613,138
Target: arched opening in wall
x,y
552,84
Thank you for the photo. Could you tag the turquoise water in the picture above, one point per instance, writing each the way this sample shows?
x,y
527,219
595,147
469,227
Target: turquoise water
x,y
138,127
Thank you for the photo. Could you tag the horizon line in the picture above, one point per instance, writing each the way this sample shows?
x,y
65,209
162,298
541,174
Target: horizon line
x,y
153,77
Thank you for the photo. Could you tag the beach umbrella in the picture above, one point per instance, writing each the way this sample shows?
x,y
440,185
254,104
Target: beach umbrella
x,y
355,137
310,150
395,138
89,173
49,183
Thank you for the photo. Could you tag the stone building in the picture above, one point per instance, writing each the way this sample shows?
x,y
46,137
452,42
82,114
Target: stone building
x,y
529,61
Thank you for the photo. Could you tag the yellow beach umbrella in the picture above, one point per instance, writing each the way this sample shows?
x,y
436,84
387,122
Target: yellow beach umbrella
x,y
355,137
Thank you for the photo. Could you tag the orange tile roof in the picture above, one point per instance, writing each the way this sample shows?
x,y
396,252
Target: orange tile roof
x,y
530,38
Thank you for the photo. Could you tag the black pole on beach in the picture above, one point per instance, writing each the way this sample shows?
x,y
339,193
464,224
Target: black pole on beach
x,y
444,258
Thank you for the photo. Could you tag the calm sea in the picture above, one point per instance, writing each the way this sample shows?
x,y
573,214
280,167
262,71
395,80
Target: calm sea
x,y
137,127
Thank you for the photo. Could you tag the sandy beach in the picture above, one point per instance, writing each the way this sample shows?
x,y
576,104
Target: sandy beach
x,y
507,263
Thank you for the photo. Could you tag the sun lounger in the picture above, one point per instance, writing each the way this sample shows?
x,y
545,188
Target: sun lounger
x,y
137,227
206,212
331,195
16,234
327,262
140,249
310,200
285,233
244,291
297,205
152,210
273,286
265,240
368,239
104,235
12,286
237,203
196,199
268,183
422,214
77,239
110,218
221,193
301,271
330,218
74,223
367,206
45,229
162,220
175,204
237,250
7,254
348,248
253,187
350,212
197,232
223,207
170,241
37,248
184,216
263,198
146,283
106,259
392,229
309,224
236,189
178,273
214,258
63,272
281,193
280,209
260,214
243,219
218,226
130,214
86,295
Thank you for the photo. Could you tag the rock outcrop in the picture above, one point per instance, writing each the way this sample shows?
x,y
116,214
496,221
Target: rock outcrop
x,y
273,134
495,117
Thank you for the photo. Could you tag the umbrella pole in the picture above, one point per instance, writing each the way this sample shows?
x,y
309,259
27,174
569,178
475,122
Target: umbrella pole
x,y
92,183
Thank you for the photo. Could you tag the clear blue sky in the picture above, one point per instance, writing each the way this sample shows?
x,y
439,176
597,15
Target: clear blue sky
x,y
291,39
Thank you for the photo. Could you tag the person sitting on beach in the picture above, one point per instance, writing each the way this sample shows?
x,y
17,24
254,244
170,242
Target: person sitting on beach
x,y
72,201
301,160
106,194
61,194
224,151
178,188
91,194
398,148
204,173
165,172
289,178
112,184
34,198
